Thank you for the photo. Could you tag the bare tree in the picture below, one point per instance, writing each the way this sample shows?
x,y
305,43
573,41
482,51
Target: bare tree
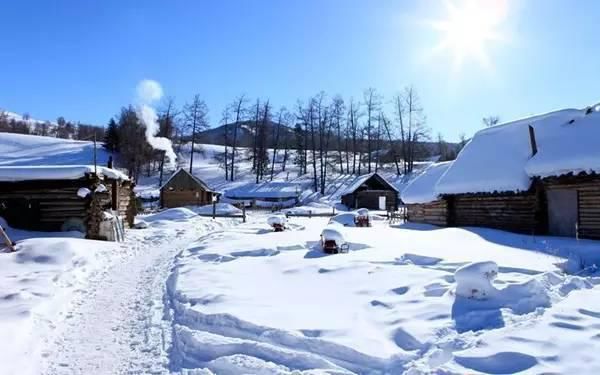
x,y
353,118
411,121
196,119
239,113
372,104
337,115
225,121
388,131
490,121
166,122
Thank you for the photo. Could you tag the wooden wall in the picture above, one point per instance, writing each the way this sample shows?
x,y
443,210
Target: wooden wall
x,y
183,190
435,213
520,213
588,192
370,199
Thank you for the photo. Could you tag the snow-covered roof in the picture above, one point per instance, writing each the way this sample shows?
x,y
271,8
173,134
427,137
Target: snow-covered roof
x,y
567,147
362,179
266,190
495,158
55,172
196,179
422,188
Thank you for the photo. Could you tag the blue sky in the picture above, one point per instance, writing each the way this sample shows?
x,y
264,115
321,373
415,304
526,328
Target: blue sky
x,y
83,59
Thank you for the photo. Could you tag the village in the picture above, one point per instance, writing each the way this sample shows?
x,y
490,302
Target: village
x,y
299,188
436,264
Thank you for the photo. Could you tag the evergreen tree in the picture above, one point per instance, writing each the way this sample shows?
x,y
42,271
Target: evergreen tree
x,y
111,137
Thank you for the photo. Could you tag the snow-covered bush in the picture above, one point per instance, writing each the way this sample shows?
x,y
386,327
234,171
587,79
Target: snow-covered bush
x,y
474,280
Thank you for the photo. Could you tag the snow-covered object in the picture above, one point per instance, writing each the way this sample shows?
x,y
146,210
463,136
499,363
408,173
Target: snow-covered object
x,y
83,192
268,204
55,172
276,220
362,212
100,189
331,233
474,280
480,168
346,219
422,188
567,147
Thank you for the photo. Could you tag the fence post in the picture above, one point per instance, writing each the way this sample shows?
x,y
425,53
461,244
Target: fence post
x,y
333,210
214,209
243,213
309,214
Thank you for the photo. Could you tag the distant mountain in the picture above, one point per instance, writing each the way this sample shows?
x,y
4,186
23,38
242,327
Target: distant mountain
x,y
23,118
245,137
216,136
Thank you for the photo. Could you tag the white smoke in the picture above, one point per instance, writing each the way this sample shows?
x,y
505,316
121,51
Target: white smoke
x,y
149,92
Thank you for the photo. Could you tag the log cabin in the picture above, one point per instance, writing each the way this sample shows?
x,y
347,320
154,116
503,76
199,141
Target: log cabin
x,y
537,175
271,194
185,189
423,204
65,198
371,191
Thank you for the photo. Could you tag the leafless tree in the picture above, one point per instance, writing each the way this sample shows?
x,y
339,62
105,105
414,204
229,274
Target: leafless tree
x,y
490,121
372,104
196,119
239,114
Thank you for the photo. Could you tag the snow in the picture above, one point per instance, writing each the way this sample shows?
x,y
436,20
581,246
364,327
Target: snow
x,y
273,190
83,192
38,282
55,172
26,150
480,169
100,189
474,280
567,147
346,219
220,208
421,189
247,299
333,233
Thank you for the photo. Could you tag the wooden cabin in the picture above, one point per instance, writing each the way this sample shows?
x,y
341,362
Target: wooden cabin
x,y
537,175
185,189
423,204
371,191
65,198
271,194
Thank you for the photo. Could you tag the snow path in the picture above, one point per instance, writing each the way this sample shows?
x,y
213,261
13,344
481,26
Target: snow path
x,y
116,325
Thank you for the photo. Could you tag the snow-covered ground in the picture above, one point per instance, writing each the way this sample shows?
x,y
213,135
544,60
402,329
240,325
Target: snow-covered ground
x,y
249,300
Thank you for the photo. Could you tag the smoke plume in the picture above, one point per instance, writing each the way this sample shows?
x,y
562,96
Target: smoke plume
x,y
149,92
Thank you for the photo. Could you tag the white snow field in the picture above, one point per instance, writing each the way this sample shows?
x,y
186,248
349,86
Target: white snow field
x,y
249,300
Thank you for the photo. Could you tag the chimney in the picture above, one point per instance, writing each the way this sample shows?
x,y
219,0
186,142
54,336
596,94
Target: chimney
x,y
532,141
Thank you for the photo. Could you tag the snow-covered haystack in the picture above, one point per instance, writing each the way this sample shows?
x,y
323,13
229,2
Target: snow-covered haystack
x,y
333,233
276,220
220,209
474,280
347,219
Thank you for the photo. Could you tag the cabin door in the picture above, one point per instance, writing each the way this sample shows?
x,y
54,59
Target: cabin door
x,y
562,212
382,202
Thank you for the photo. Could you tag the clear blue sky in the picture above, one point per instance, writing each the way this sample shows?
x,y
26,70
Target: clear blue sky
x,y
83,59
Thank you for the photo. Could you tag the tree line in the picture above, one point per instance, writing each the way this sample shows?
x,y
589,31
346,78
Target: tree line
x,y
318,135
61,129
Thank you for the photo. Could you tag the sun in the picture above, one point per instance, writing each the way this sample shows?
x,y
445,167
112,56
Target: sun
x,y
469,29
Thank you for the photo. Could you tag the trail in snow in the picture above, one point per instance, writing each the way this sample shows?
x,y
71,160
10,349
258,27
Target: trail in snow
x,y
116,325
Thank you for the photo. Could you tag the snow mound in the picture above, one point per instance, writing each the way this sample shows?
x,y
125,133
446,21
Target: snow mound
x,y
474,280
346,219
172,214
220,208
